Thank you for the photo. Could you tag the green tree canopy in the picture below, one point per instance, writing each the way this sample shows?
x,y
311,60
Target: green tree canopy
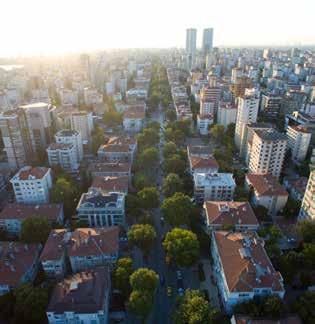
x,y
175,164
177,209
133,205
194,309
261,213
171,115
306,229
112,118
291,209
172,184
149,197
305,306
98,138
141,180
217,133
169,149
144,279
122,274
143,236
140,303
149,158
35,229
182,247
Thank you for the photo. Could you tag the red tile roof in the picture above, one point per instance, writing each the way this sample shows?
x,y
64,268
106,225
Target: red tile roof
x,y
109,184
36,172
54,246
266,185
245,262
230,213
203,163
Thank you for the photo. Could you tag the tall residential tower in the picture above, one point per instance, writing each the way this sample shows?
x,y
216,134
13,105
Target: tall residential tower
x,y
207,40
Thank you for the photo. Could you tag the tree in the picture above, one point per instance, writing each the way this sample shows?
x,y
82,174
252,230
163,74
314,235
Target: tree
x,y
149,198
112,118
217,132
133,205
177,209
144,279
171,115
306,229
31,303
149,137
35,229
98,138
169,149
308,253
179,136
194,309
140,303
182,247
149,158
174,164
291,209
143,236
261,213
141,180
305,306
172,184
122,274
65,191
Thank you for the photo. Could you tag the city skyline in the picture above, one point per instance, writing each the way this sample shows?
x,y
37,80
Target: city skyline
x,y
44,27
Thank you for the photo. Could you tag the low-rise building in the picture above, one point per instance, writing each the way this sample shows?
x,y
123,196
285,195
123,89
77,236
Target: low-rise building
x,y
32,185
81,298
18,264
242,268
101,169
202,164
99,209
53,256
229,214
12,215
213,186
63,155
88,248
204,122
118,149
296,187
267,192
111,184
133,119
299,139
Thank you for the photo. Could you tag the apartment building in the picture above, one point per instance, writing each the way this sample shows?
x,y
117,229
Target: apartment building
x,y
81,298
53,256
296,187
111,184
101,169
199,164
91,96
247,112
267,192
242,268
235,215
267,152
240,85
99,209
67,136
270,105
213,186
227,113
203,123
19,264
133,119
118,149
63,155
32,185
307,210
12,215
299,139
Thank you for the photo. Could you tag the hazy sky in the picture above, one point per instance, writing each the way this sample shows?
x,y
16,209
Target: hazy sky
x,y
44,26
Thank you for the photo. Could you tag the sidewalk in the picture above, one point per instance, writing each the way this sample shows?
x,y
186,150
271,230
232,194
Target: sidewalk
x,y
208,285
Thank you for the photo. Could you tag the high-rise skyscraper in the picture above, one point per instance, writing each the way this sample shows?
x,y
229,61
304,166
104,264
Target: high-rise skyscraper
x,y
207,40
191,46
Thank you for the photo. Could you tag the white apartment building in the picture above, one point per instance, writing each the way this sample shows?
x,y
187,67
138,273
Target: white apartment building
x,y
299,139
31,185
226,114
133,119
203,123
267,192
99,209
92,97
81,298
67,136
63,155
247,112
191,46
307,210
242,268
213,186
69,97
267,152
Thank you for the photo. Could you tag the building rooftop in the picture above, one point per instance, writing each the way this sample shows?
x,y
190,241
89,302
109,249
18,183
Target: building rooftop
x,y
16,258
199,150
270,134
245,263
67,133
266,184
35,105
81,293
135,112
229,213
109,167
111,184
214,179
54,246
197,162
59,146
301,129
22,211
31,173
96,199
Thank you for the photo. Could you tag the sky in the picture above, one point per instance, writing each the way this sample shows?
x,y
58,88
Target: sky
x,y
54,26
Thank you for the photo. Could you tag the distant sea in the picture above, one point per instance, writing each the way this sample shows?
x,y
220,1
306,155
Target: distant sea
x,y
10,67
